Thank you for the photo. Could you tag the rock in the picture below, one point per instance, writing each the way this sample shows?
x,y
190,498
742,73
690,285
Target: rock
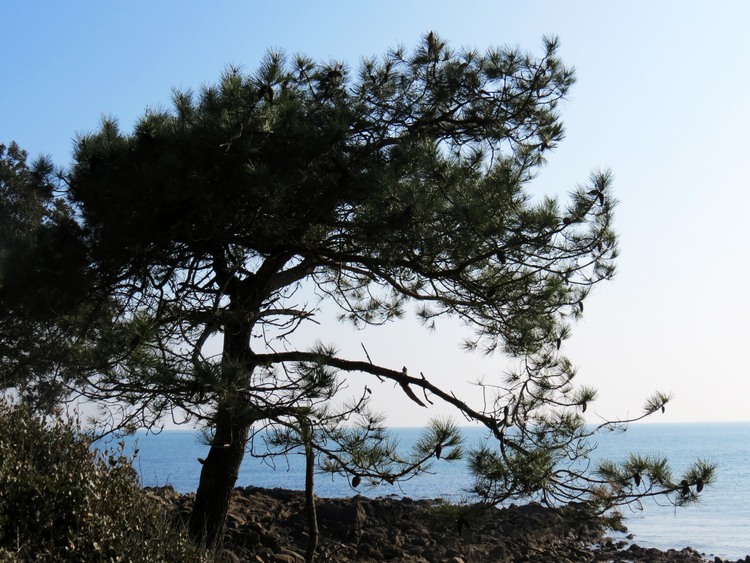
x,y
270,526
498,553
391,552
347,515
228,556
289,556
271,540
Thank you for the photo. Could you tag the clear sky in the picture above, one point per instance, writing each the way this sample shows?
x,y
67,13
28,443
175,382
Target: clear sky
x,y
663,99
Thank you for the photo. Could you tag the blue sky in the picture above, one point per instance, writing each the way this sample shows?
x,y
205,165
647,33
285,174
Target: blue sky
x,y
663,99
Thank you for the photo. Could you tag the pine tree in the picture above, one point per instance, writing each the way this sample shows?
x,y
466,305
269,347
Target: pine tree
x,y
405,183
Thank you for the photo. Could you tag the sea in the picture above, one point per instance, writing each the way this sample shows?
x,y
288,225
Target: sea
x,y
717,527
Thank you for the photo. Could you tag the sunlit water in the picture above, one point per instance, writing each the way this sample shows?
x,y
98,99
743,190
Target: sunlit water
x,y
719,526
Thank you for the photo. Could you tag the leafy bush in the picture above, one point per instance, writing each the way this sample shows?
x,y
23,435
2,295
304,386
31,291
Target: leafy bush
x,y
61,501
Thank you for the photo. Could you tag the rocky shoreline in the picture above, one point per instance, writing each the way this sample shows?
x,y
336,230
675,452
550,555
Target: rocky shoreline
x,y
268,526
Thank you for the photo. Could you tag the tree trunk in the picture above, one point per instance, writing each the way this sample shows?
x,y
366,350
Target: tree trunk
x,y
312,517
218,477
231,422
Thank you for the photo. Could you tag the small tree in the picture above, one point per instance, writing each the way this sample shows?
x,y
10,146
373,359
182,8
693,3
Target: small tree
x,y
403,182
361,449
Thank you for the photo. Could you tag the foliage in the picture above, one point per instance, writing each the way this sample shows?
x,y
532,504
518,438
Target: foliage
x,y
446,515
61,501
641,477
402,184
43,279
556,474
371,456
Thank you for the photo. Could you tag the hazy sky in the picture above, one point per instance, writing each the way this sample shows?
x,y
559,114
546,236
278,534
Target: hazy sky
x,y
663,99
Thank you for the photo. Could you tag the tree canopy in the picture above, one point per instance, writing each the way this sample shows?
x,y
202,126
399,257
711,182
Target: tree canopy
x,y
43,271
402,184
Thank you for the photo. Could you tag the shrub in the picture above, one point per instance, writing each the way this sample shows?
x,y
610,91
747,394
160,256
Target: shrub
x,y
62,501
449,516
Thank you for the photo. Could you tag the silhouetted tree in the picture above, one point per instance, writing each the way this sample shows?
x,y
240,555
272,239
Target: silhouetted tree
x,y
405,182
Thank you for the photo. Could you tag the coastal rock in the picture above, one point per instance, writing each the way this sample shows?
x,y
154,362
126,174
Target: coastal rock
x,y
269,526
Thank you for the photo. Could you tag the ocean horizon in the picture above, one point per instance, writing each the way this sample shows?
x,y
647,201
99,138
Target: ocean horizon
x,y
718,527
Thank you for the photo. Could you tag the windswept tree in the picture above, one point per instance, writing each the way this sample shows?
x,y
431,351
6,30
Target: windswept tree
x,y
401,184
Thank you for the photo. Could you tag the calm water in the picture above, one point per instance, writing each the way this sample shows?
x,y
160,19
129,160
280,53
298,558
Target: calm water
x,y
719,526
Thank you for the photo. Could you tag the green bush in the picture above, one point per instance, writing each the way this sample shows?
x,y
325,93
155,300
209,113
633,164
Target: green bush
x,y
61,501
